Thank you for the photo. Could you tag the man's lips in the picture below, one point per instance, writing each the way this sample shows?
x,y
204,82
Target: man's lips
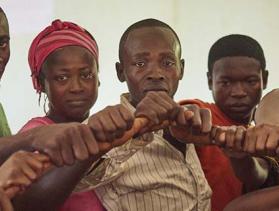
x,y
155,89
238,107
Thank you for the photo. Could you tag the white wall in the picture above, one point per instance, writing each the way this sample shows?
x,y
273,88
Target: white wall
x,y
198,23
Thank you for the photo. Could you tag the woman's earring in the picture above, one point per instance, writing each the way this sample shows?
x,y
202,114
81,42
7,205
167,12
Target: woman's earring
x,y
39,100
45,99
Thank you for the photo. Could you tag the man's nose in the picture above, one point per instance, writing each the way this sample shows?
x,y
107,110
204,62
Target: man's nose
x,y
156,73
238,90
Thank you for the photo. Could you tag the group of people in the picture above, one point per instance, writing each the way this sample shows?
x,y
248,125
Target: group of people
x,y
149,152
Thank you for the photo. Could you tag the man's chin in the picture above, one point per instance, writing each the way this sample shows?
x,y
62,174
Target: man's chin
x,y
242,118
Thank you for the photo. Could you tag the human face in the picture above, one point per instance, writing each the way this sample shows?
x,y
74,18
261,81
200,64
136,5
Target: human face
x,y
4,43
71,83
150,62
237,84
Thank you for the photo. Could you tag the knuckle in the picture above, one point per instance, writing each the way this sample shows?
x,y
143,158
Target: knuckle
x,y
196,124
193,107
110,129
270,146
249,133
13,173
121,107
52,145
259,147
106,108
205,111
121,126
250,150
50,152
169,108
81,156
20,152
96,127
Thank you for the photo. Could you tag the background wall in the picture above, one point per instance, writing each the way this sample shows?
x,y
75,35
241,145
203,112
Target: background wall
x,y
198,24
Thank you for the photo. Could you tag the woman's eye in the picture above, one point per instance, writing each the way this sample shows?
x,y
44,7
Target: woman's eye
x,y
61,78
225,83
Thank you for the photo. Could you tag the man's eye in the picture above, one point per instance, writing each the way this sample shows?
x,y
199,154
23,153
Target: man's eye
x,y
169,63
252,82
87,75
139,64
3,44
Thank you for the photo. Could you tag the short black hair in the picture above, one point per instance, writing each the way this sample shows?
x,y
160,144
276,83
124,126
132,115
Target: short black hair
x,y
235,45
150,22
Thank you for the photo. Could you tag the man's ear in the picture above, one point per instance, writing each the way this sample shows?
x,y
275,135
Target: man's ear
x,y
120,72
182,64
209,80
265,78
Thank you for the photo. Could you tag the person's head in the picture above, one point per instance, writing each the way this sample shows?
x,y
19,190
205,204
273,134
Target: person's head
x,y
266,112
4,42
237,75
150,59
64,62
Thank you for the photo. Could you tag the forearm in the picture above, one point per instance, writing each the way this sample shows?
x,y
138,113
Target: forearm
x,y
11,144
50,191
266,199
251,171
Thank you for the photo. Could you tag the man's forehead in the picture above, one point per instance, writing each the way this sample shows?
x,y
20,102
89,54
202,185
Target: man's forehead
x,y
227,64
150,32
154,36
4,27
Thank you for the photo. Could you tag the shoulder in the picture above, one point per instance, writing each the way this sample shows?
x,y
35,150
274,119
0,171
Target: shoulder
x,y
36,122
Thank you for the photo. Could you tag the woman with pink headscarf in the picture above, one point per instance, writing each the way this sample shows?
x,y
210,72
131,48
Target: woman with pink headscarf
x,y
63,59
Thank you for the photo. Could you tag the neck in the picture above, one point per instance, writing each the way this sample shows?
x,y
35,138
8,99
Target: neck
x,y
62,119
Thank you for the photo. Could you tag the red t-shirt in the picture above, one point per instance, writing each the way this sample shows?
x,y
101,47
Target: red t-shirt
x,y
215,164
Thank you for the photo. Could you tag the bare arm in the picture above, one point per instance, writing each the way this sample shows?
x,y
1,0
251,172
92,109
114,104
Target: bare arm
x,y
252,171
53,188
266,199
11,144
240,145
51,140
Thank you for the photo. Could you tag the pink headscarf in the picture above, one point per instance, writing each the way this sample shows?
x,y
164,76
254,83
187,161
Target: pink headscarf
x,y
57,35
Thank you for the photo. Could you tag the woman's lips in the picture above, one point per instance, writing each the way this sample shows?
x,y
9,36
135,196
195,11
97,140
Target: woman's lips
x,y
76,102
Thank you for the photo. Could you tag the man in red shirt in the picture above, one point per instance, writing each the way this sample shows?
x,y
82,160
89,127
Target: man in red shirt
x,y
236,76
